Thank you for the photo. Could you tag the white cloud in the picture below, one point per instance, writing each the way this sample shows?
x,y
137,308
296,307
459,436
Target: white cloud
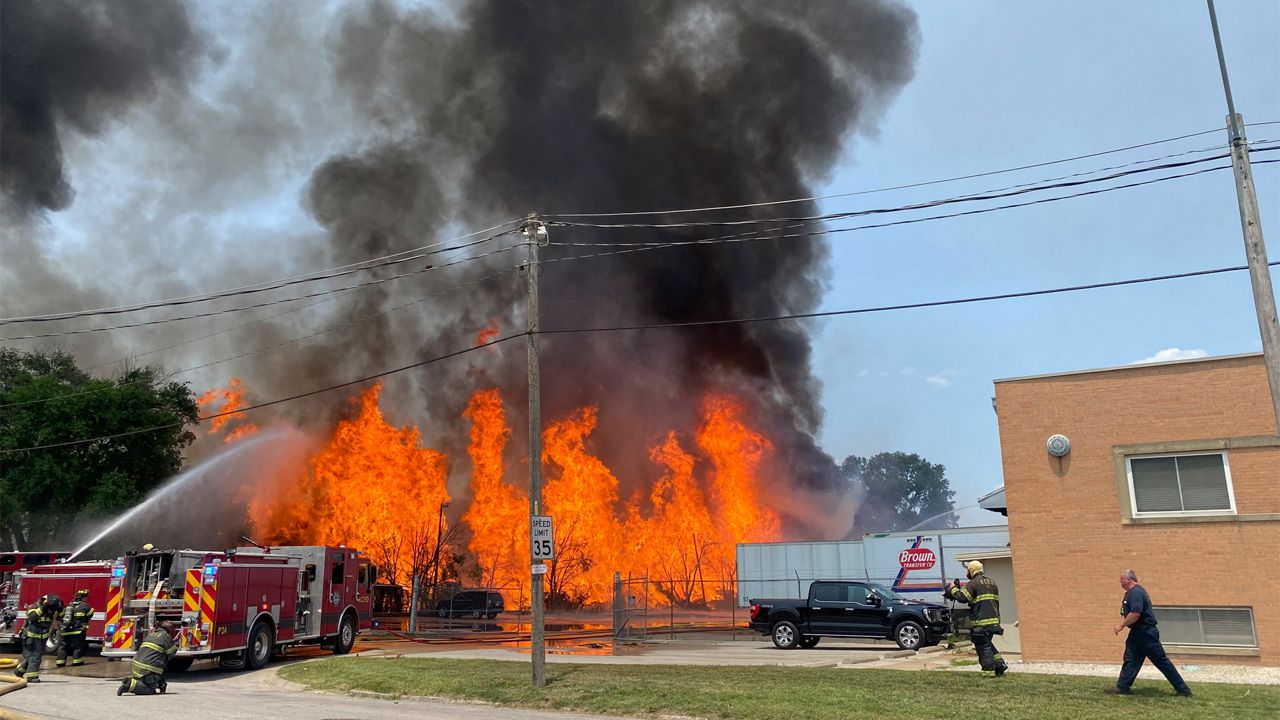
x,y
1168,354
941,378
863,373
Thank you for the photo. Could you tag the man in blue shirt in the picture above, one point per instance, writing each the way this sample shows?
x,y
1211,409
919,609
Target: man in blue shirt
x,y
1143,641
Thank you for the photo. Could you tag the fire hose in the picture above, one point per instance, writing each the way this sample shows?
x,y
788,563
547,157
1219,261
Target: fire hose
x,y
10,683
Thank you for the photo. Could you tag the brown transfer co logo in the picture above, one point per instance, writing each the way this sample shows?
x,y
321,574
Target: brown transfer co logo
x,y
917,559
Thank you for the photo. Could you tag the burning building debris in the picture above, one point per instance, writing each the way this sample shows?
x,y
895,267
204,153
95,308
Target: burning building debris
x,y
373,485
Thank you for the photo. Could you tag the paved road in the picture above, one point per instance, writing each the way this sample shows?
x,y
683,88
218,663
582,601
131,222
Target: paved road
x,y
215,695
207,692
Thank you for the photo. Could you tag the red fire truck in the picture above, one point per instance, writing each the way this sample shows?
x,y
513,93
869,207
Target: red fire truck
x,y
14,566
242,605
64,580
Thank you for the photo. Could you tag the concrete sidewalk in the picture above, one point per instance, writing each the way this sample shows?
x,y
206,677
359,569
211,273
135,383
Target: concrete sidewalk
x,y
214,695
737,653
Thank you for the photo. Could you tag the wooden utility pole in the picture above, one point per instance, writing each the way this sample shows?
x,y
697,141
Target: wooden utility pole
x,y
535,234
1255,248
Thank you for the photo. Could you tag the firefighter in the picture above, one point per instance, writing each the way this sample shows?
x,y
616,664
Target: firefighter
x,y
983,598
35,633
75,623
150,662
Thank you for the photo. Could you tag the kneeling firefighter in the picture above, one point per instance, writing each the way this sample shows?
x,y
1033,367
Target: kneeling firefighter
x,y
150,662
983,598
36,631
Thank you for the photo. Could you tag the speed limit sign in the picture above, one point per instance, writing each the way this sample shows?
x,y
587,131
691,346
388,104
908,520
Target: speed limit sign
x,y
541,538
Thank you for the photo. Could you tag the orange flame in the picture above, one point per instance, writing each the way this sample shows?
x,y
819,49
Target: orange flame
x,y
736,452
498,515
487,334
372,487
227,400
582,498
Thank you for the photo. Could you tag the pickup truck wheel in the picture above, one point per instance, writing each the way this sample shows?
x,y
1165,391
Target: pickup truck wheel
x,y
909,635
809,641
786,636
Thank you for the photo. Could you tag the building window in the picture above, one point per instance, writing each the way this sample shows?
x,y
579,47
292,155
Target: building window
x,y
1222,627
1190,484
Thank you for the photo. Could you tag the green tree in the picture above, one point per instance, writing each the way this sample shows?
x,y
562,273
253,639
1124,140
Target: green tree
x,y
46,399
898,491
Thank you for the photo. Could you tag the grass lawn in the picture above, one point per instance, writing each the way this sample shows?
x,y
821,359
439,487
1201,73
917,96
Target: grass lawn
x,y
771,693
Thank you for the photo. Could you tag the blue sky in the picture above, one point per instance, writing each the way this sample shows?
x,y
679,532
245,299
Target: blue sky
x,y
1005,84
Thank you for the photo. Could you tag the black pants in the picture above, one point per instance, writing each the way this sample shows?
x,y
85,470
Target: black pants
x,y
1144,643
988,657
32,654
147,684
73,645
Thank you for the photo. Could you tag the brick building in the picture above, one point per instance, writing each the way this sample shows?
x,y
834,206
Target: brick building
x,y
1173,470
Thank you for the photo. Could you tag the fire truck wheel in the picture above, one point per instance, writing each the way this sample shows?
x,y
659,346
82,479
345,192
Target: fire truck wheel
x,y
346,636
179,664
261,643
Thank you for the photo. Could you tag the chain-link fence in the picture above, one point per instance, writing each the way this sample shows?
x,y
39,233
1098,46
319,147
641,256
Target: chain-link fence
x,y
647,608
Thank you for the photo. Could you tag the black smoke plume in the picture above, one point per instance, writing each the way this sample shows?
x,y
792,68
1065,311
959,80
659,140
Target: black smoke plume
x,y
73,65
622,106
415,120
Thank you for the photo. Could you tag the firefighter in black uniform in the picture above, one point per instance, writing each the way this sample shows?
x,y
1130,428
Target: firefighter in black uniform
x,y
75,623
983,598
35,633
150,662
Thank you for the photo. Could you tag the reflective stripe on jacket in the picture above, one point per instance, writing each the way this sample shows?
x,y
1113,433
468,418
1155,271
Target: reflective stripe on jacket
x,y
76,618
983,598
38,623
153,656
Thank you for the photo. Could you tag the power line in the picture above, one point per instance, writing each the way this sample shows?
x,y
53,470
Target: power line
x,y
722,238
241,326
904,306
657,326
267,348
258,287
278,401
1007,192
268,303
758,235
833,196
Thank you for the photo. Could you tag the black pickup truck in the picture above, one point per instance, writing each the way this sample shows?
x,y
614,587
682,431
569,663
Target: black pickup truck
x,y
846,608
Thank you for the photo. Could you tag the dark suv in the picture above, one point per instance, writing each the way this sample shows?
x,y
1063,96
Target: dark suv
x,y
471,603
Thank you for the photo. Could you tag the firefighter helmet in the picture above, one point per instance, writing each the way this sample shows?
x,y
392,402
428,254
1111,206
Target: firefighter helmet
x,y
82,592
974,567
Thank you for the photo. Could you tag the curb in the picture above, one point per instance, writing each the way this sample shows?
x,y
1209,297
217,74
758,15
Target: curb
x,y
369,694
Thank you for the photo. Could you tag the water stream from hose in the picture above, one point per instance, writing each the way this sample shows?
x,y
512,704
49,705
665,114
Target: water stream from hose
x,y
182,480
